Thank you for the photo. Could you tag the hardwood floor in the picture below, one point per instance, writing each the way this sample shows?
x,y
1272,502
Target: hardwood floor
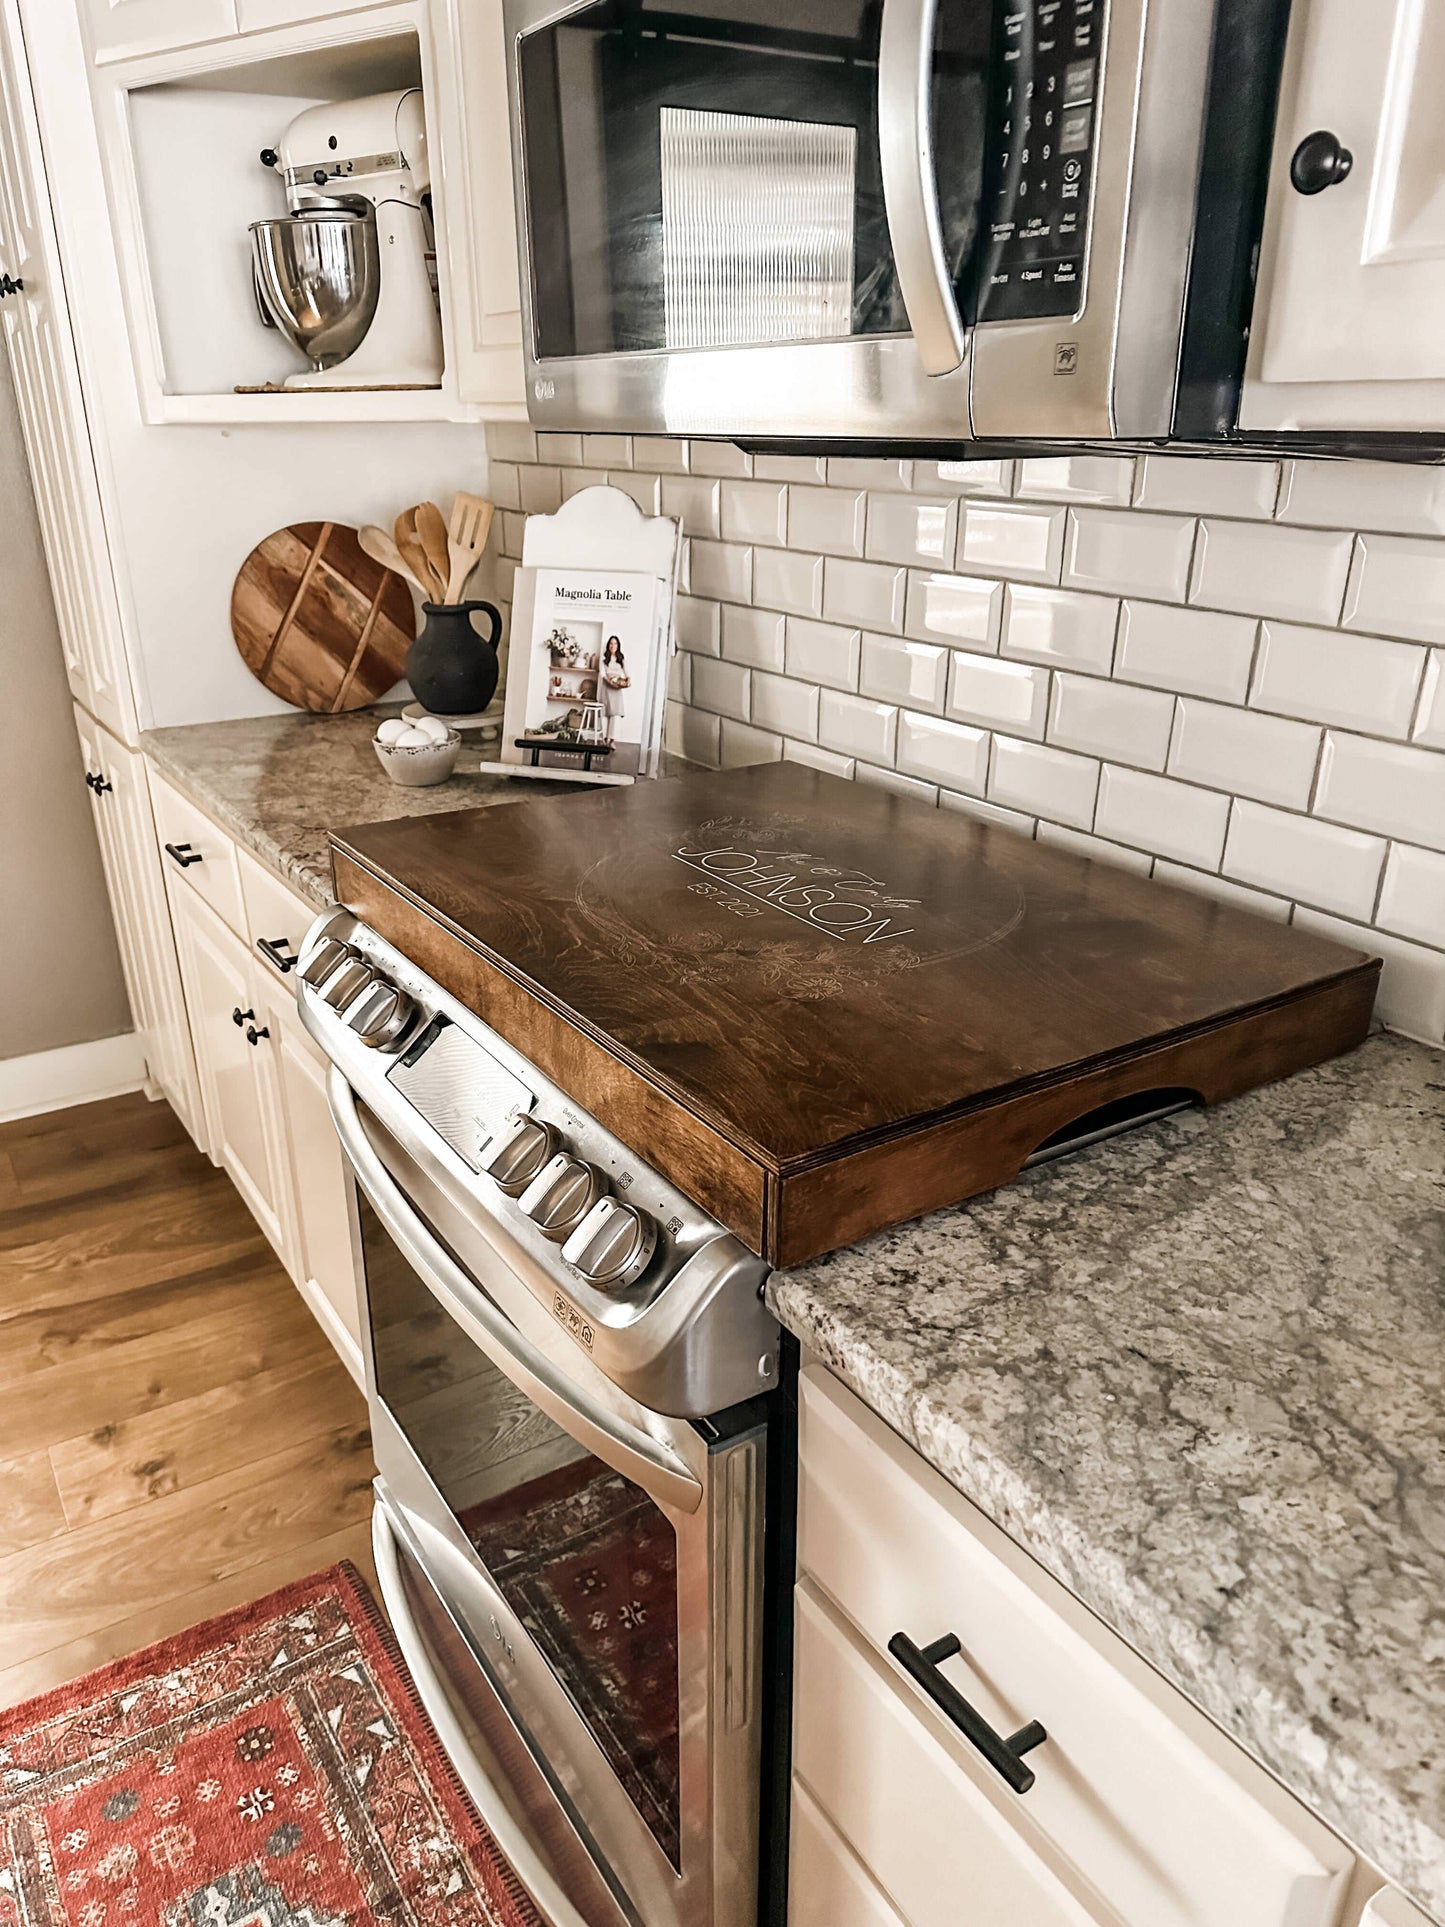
x,y
176,1435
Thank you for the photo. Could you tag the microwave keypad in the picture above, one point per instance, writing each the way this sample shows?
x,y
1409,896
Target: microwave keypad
x,y
1039,158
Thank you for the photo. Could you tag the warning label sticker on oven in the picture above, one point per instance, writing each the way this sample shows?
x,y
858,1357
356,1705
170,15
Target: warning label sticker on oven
x,y
567,1314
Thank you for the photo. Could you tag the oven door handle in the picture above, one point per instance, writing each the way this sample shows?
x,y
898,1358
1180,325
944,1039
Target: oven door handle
x,y
910,185
624,1446
517,1850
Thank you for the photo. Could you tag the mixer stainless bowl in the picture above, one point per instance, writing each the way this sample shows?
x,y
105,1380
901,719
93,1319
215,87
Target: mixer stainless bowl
x,y
319,275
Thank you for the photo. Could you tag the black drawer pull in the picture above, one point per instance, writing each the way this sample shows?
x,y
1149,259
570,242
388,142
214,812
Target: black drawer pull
x,y
239,1016
183,854
97,783
254,1036
274,949
1003,1755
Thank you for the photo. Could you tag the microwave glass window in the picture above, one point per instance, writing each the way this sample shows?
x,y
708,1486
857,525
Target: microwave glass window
x,y
583,1557
706,173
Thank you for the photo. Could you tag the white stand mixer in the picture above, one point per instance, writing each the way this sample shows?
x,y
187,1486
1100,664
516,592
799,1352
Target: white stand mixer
x,y
348,274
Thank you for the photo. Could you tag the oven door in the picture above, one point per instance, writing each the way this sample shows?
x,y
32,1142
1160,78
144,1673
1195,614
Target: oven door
x,y
602,1563
737,217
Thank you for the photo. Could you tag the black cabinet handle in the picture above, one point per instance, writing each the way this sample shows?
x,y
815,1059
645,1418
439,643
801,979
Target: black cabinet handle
x,y
254,1036
183,854
1003,1755
1320,161
239,1016
274,949
97,783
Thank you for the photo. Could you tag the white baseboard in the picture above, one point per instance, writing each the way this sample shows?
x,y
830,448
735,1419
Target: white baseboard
x,y
49,1080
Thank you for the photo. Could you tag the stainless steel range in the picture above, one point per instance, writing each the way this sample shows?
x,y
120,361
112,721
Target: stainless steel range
x,y
564,1360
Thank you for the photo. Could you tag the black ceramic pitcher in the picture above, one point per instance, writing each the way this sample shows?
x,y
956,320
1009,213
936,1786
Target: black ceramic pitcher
x,y
452,667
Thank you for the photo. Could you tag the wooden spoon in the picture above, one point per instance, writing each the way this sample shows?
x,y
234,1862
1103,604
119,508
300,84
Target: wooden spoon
x,y
415,556
379,546
471,524
433,533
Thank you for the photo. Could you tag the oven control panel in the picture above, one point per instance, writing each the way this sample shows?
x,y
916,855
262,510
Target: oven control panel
x,y
1038,158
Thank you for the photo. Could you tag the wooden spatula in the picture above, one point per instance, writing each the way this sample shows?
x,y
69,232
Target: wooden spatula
x,y
379,546
433,533
413,553
471,524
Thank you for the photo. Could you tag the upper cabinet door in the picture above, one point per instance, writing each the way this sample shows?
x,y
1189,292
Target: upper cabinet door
x,y
1352,280
120,28
36,327
255,14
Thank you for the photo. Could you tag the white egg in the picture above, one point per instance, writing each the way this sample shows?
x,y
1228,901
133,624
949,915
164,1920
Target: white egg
x,y
392,730
412,737
433,729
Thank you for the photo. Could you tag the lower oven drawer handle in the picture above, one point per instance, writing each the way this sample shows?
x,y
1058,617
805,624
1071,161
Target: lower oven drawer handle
x,y
627,1448
542,1889
921,1663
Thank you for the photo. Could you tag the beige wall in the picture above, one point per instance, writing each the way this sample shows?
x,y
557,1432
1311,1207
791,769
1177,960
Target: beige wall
x,y
62,971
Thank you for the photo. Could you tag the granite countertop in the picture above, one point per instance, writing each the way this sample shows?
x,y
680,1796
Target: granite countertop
x,y
1199,1373
281,784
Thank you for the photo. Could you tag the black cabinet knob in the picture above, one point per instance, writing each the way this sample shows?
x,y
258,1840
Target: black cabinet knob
x,y
239,1016
8,286
96,783
1319,162
254,1036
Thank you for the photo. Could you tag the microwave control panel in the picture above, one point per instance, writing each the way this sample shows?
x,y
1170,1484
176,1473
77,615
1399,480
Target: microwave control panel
x,y
1038,158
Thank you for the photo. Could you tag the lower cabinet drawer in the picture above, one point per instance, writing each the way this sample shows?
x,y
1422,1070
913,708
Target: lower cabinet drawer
x,y
194,849
937,1841
827,1883
277,918
1153,1809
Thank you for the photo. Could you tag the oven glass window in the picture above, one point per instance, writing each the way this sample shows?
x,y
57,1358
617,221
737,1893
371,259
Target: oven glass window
x,y
584,1558
706,173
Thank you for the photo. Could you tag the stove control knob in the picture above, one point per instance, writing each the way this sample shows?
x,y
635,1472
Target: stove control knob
x,y
612,1245
520,1153
380,1015
561,1195
328,955
345,984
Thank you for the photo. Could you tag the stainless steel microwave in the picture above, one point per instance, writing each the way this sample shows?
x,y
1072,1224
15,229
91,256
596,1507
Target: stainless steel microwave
x,y
902,221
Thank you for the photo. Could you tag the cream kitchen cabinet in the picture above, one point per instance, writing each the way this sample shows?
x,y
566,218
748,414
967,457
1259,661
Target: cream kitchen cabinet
x,y
1391,1909
117,29
1141,1813
1352,276
38,340
252,15
116,778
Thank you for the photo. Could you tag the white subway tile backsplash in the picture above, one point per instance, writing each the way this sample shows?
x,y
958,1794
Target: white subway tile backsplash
x,y
790,708
846,472
541,490
1056,626
990,813
721,570
1357,681
895,782
853,726
565,450
1156,813
1195,485
943,752
698,735
693,500
1207,884
823,652
1191,650
1297,856
1412,902
865,595
755,512
1124,552
1412,984
719,458
679,677
722,687
965,478
783,579
1111,719
999,695
699,626
1429,730
1397,588
1022,541
959,609
829,521
817,758
1391,496
1043,782
1097,848
913,529
574,480
790,468
1262,569
645,490
607,451
1265,757
742,745
896,671
1383,786
752,636
511,442
1075,478
660,454
504,484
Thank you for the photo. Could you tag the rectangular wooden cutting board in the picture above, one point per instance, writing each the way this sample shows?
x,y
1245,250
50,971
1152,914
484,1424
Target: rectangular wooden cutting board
x,y
821,1009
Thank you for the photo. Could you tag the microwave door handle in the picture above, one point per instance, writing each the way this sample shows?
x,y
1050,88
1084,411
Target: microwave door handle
x,y
625,1447
910,188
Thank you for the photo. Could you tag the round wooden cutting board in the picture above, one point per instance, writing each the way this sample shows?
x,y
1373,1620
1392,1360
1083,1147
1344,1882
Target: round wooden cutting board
x,y
318,622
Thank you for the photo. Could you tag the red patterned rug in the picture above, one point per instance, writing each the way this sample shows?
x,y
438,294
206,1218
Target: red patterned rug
x,y
271,1768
